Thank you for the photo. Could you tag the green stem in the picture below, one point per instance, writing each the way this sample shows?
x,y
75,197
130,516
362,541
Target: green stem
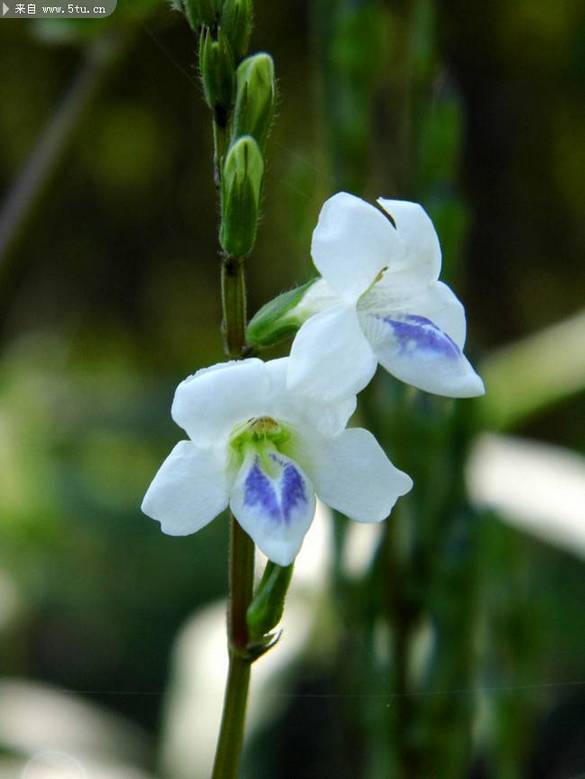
x,y
231,734
220,138
233,277
233,298
241,586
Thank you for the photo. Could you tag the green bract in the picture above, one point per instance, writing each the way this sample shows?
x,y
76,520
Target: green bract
x,y
216,63
236,22
276,320
241,186
255,97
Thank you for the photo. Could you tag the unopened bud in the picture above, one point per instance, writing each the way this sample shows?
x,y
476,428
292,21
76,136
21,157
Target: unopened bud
x,y
265,611
236,22
216,63
255,97
282,316
199,12
241,187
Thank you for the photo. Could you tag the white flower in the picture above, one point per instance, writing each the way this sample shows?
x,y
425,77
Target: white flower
x,y
378,301
266,452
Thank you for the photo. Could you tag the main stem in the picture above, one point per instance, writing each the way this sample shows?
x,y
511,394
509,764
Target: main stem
x,y
231,734
241,558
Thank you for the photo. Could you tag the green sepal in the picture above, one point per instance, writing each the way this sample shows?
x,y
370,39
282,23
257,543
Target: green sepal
x,y
216,65
265,611
236,22
273,322
241,187
255,98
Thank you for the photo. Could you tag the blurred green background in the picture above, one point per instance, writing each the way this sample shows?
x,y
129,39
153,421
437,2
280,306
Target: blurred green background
x,y
109,295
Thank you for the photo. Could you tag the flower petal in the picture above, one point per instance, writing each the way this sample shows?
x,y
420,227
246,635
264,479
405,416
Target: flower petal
x,y
415,350
351,244
275,508
188,491
440,304
421,249
330,357
435,302
329,418
352,474
209,403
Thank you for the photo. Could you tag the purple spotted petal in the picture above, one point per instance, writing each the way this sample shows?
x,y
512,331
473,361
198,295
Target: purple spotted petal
x,y
274,506
415,350
417,333
277,499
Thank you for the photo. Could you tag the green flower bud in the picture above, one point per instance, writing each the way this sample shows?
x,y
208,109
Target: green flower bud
x,y
281,317
265,611
255,98
216,63
241,186
198,12
236,22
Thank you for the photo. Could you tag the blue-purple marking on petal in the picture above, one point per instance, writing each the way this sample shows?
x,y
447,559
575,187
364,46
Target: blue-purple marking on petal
x,y
293,490
417,333
259,490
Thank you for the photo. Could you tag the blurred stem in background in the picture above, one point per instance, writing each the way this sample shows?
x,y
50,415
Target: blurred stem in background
x,y
425,566
432,604
349,44
101,56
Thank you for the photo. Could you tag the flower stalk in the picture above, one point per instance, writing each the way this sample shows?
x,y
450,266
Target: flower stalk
x,y
224,28
241,547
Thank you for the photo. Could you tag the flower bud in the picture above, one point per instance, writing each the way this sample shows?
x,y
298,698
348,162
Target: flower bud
x,y
241,186
198,12
282,316
216,63
255,98
265,611
236,22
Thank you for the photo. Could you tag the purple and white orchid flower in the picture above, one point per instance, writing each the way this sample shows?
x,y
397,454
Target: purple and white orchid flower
x,y
378,301
267,451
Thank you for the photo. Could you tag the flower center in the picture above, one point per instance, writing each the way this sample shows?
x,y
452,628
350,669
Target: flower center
x,y
368,297
262,434
263,426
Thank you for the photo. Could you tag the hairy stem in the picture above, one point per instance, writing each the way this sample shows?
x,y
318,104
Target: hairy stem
x,y
233,298
220,139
